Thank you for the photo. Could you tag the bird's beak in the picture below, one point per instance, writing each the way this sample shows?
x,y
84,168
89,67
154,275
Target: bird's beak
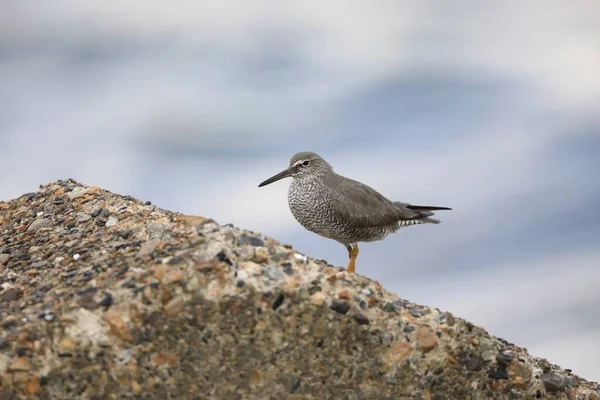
x,y
283,174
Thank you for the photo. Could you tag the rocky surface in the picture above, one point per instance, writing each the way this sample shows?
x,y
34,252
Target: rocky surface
x,y
103,297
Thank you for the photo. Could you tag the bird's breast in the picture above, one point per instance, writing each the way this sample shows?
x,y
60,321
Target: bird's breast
x,y
307,203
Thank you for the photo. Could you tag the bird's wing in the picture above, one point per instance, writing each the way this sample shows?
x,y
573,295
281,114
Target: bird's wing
x,y
364,206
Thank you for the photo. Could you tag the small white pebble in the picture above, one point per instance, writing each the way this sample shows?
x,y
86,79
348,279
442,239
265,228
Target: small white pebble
x,y
366,292
76,257
112,221
40,214
301,257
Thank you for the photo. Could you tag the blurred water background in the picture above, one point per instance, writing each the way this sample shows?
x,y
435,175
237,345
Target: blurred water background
x,y
491,108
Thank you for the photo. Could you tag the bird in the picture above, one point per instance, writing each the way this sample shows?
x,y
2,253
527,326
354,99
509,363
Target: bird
x,y
342,209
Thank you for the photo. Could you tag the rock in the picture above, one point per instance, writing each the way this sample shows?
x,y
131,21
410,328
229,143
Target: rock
x,y
554,382
274,273
112,221
10,295
83,217
66,347
360,319
278,301
37,224
175,305
261,255
251,240
163,305
20,364
148,247
117,325
344,295
77,193
474,363
340,307
498,372
398,353
317,298
250,268
449,319
414,312
426,339
155,229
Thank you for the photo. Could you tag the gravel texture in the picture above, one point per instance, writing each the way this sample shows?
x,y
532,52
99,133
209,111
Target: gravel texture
x,y
104,296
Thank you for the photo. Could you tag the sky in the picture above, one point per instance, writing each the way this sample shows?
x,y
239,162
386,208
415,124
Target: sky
x,y
489,108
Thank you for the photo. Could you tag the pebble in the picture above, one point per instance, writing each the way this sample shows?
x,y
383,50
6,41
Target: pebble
x,y
155,229
242,274
426,339
83,217
175,305
10,295
414,312
360,319
66,347
274,273
366,292
261,255
38,223
313,289
250,268
107,301
148,247
340,307
317,298
251,240
287,268
278,301
498,372
301,258
19,364
554,382
112,221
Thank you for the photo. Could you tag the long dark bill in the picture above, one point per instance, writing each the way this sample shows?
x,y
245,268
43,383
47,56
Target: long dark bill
x,y
283,174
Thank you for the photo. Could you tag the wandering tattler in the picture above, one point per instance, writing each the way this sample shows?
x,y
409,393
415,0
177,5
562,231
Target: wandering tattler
x,y
343,209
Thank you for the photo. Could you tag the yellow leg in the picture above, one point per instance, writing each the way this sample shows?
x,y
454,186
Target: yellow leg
x,y
352,253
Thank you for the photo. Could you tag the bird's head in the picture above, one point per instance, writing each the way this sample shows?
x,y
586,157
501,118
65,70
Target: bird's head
x,y
302,165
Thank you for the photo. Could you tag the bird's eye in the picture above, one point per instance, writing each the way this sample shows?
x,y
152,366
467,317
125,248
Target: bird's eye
x,y
305,163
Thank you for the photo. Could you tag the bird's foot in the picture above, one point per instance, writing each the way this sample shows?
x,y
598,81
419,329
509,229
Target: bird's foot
x,y
352,253
352,265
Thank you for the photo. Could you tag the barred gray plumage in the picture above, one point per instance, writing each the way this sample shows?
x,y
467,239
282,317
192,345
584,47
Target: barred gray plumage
x,y
343,209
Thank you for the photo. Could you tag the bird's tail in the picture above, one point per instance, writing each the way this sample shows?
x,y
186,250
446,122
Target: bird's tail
x,y
423,213
426,208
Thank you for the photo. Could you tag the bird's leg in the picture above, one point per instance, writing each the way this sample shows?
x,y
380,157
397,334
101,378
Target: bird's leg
x,y
352,254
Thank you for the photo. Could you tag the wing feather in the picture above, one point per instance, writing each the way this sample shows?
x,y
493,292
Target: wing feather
x,y
364,206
